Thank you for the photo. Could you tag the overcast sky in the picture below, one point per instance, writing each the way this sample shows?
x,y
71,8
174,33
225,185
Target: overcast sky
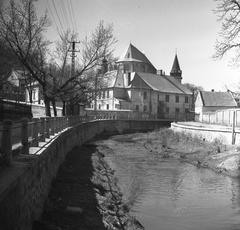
x,y
159,28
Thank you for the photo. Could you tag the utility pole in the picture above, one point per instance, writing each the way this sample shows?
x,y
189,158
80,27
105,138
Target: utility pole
x,y
73,51
73,55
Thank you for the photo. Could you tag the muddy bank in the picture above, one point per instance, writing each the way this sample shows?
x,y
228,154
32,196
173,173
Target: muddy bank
x,y
85,195
215,155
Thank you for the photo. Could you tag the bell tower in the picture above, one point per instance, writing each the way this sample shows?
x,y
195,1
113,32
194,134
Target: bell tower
x,y
176,72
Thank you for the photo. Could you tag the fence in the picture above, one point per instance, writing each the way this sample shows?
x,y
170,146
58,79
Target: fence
x,y
19,137
223,117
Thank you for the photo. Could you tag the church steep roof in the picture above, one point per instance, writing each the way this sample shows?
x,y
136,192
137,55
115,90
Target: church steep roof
x,y
160,83
133,54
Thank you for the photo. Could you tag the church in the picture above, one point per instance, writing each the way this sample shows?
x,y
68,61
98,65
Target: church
x,y
136,85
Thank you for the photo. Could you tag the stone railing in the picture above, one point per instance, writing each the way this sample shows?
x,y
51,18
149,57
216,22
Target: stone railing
x,y
29,136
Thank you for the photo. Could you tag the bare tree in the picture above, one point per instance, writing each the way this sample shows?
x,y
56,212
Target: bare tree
x,y
71,86
228,12
23,32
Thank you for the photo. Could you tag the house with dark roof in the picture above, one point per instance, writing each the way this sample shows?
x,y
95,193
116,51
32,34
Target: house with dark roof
x,y
137,85
212,101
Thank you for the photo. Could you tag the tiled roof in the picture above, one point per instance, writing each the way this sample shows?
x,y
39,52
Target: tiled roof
x,y
165,84
133,54
217,99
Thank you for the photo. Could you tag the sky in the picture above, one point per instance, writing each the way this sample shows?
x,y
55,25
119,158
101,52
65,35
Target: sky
x,y
158,28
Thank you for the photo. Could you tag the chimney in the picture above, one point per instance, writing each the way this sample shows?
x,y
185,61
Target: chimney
x,y
160,72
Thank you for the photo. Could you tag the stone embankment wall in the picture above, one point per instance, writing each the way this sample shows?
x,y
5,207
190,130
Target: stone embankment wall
x,y
25,185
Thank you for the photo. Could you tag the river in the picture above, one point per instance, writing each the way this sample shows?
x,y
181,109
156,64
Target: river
x,y
169,194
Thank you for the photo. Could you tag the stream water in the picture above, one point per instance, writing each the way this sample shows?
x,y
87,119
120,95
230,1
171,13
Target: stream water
x,y
168,194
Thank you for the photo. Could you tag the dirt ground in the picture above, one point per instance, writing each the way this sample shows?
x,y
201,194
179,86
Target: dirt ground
x,y
85,194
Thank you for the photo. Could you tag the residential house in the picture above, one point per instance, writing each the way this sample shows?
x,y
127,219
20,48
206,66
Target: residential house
x,y
137,85
210,101
13,88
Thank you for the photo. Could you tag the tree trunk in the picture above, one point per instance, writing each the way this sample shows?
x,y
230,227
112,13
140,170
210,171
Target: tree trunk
x,y
64,108
47,106
54,107
30,96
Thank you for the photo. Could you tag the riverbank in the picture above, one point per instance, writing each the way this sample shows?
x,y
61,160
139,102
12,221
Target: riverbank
x,y
85,195
215,155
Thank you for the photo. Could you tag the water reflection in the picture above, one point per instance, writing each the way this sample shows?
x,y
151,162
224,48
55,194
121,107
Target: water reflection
x,y
167,194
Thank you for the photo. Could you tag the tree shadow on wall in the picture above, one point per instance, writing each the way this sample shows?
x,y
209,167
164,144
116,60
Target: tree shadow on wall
x,y
72,203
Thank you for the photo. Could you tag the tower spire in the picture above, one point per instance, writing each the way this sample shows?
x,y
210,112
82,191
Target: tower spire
x,y
176,72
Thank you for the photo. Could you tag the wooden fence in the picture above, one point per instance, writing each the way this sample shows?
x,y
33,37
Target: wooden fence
x,y
228,117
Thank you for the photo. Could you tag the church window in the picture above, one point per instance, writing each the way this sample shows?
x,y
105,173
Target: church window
x,y
167,110
145,95
177,99
167,98
129,78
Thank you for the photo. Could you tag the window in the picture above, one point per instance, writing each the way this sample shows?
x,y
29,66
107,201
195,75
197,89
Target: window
x,y
167,98
177,110
107,94
158,97
129,78
186,99
107,106
144,108
34,95
137,107
99,106
103,96
186,110
145,95
167,110
99,95
177,99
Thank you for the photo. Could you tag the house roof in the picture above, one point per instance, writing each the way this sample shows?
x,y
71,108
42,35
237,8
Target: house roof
x,y
217,99
160,83
132,54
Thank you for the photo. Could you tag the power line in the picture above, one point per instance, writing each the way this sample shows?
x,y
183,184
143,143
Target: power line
x,y
74,19
57,15
63,10
70,13
48,7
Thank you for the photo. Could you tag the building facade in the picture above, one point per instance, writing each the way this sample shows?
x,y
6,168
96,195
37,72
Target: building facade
x,y
136,85
210,101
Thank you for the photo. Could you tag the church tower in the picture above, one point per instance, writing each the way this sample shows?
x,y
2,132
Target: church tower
x,y
176,72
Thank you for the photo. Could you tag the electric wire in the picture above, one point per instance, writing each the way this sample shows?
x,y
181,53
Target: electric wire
x,y
74,19
63,10
51,13
57,15
70,13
